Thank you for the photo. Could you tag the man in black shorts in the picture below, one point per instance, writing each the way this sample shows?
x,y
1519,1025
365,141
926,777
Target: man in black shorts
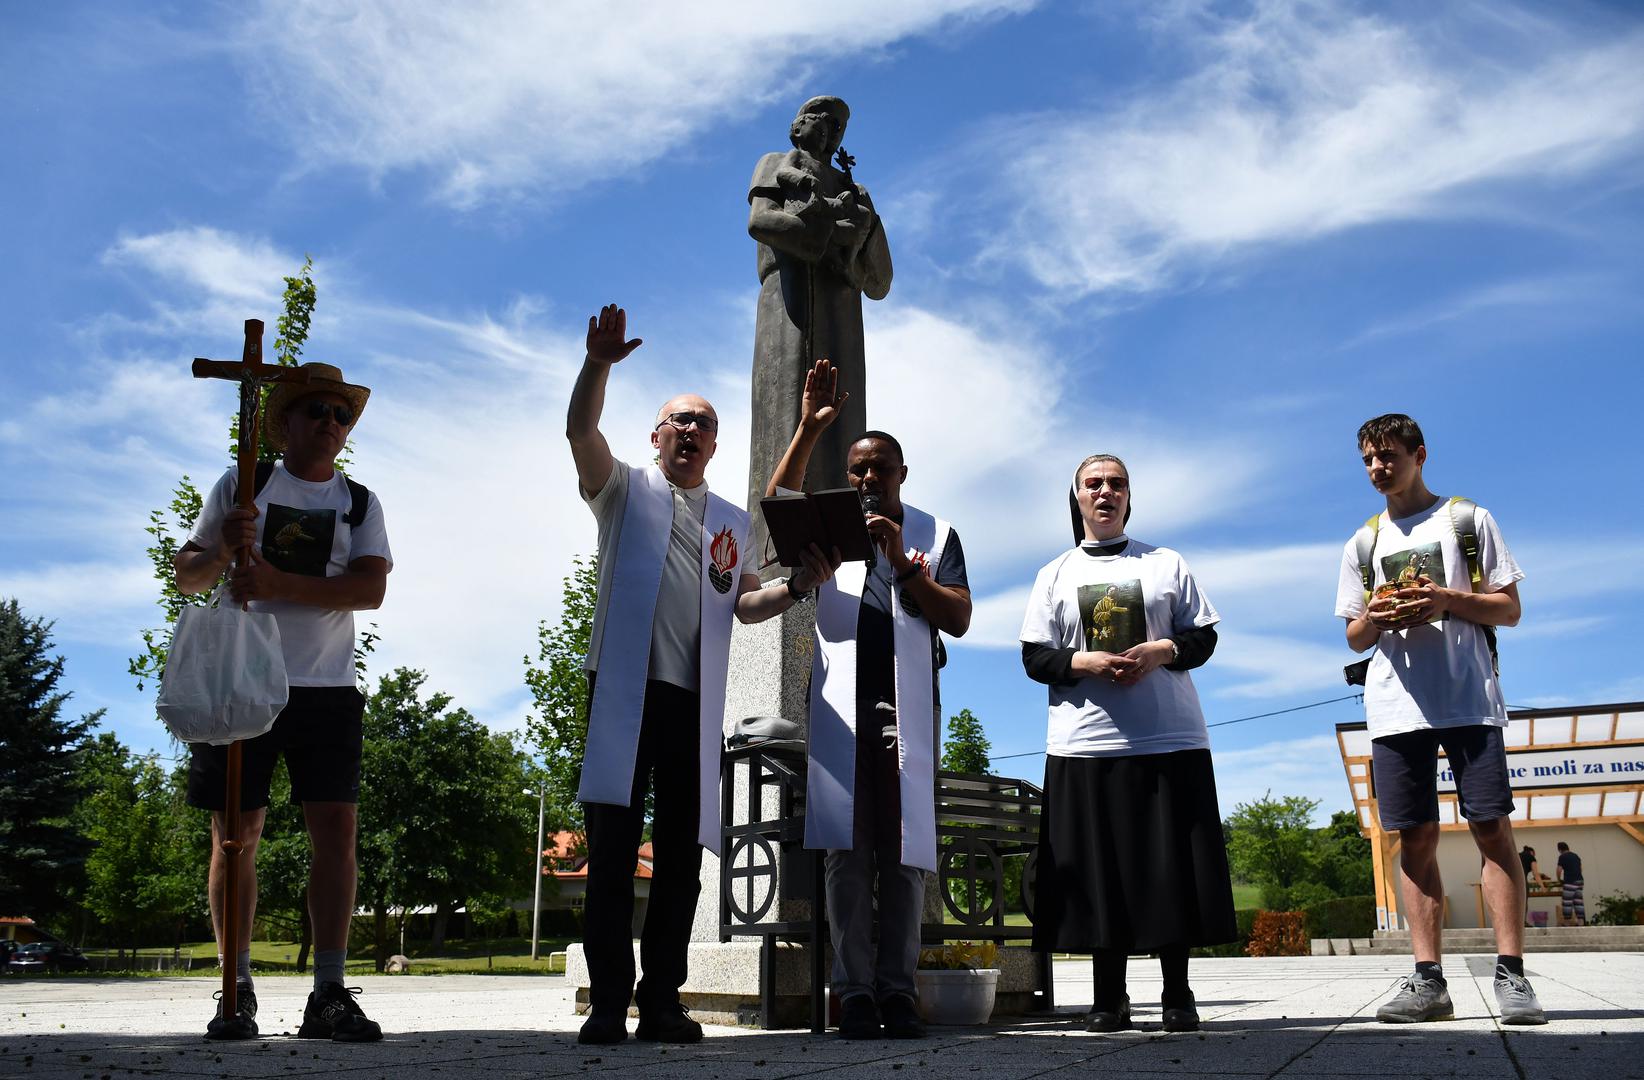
x,y
319,553
1431,684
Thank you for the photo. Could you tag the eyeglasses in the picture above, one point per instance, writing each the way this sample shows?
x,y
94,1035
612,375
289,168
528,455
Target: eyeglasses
x,y
319,410
1116,484
682,420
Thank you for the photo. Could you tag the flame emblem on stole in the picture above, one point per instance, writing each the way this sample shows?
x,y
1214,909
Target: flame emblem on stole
x,y
722,553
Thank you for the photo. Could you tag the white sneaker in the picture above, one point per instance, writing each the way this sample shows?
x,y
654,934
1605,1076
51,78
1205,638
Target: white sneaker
x,y
1515,1000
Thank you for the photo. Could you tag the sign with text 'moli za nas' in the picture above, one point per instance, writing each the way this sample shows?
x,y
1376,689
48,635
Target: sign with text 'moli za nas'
x,y
1571,766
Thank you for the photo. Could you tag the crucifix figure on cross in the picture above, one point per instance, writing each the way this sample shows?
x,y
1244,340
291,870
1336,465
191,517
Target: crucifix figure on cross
x,y
252,375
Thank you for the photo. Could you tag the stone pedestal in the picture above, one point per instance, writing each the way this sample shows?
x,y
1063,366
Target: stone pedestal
x,y
770,675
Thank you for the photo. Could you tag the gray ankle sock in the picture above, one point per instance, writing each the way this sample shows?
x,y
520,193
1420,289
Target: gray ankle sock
x,y
328,966
242,967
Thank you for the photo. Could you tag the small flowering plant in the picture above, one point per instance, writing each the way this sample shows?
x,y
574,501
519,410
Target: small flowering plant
x,y
960,956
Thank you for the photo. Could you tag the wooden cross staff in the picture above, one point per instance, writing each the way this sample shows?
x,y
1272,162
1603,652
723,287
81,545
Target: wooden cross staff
x,y
252,374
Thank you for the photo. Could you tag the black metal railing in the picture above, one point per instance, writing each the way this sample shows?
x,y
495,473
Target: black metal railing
x,y
981,822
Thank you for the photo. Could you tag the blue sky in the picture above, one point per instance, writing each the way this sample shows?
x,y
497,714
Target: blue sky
x,y
1210,237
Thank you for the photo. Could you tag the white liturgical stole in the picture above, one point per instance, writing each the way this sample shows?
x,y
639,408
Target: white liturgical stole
x,y
625,648
830,806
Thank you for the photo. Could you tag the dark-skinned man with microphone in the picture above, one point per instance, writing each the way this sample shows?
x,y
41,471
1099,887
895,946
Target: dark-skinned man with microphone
x,y
871,796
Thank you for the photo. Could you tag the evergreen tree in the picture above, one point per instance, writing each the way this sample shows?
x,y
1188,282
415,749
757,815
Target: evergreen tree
x,y
41,854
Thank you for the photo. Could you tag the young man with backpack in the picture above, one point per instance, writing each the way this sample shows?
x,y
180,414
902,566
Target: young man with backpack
x,y
319,554
1424,583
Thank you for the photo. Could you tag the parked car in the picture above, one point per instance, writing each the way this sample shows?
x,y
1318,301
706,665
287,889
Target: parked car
x,y
52,956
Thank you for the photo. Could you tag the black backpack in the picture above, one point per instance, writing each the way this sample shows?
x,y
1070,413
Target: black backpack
x,y
359,495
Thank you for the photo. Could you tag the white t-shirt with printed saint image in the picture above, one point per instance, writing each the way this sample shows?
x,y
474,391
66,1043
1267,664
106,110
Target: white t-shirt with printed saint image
x,y
1110,603
1437,674
301,530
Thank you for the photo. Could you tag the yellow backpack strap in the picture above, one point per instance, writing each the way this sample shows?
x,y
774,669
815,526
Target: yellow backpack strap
x,y
1464,523
1364,544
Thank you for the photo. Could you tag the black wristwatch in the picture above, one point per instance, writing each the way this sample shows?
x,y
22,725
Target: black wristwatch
x,y
797,596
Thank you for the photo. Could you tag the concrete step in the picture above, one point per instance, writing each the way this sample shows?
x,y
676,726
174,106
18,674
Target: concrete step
x,y
1536,939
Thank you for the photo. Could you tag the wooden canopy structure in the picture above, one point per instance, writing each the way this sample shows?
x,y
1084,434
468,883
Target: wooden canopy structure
x,y
1570,766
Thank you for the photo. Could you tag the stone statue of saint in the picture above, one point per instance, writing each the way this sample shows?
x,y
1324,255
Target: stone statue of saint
x,y
821,246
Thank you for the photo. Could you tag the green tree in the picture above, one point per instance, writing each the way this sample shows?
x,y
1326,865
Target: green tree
x,y
1272,845
1344,862
144,871
559,689
443,816
41,853
283,856
967,746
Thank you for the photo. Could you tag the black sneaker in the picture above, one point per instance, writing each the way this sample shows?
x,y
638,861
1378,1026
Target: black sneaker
x,y
243,1024
331,1013
671,1024
901,1018
603,1029
859,1018
1103,1021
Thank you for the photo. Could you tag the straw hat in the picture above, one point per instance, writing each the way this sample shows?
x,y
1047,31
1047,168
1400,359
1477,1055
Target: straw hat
x,y
322,379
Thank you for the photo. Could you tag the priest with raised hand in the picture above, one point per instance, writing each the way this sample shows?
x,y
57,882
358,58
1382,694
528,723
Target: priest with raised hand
x,y
672,572
871,787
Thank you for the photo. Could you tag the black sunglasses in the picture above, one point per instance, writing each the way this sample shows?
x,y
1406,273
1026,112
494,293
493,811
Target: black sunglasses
x,y
319,410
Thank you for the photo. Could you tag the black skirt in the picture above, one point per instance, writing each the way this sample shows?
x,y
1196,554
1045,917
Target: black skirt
x,y
1131,855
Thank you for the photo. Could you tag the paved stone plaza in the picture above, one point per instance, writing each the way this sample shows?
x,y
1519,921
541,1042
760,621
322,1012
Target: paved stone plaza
x,y
1305,1017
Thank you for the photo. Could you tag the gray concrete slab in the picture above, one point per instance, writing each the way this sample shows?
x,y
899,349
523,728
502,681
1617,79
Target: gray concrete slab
x,y
1304,1018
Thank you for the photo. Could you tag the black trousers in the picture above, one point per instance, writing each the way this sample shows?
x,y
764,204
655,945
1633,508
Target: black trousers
x,y
667,764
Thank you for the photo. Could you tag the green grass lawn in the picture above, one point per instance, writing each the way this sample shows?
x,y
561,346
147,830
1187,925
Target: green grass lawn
x,y
503,956
1247,896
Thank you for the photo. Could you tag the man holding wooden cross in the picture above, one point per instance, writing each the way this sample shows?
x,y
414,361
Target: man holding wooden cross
x,y
318,553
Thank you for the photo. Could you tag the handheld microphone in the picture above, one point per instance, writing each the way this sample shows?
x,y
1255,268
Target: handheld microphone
x,y
870,505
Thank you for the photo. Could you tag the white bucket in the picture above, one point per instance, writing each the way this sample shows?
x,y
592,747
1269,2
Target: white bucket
x,y
957,997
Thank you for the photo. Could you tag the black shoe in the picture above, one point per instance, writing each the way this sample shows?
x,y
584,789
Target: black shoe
x,y
604,1028
331,1013
1104,1020
901,1018
243,1024
669,1024
859,1018
1182,1017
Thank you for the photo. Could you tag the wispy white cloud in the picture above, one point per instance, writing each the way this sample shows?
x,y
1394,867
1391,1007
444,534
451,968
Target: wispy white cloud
x,y
207,261
90,602
1304,118
1492,299
1277,666
497,98
1309,766
992,435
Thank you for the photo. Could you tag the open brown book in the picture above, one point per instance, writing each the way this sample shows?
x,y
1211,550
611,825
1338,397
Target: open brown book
x,y
829,519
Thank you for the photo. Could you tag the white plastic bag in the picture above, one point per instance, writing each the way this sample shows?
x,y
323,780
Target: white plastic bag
x,y
225,674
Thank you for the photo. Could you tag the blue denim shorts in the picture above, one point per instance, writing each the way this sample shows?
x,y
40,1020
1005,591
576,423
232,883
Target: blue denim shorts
x,y
1404,772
